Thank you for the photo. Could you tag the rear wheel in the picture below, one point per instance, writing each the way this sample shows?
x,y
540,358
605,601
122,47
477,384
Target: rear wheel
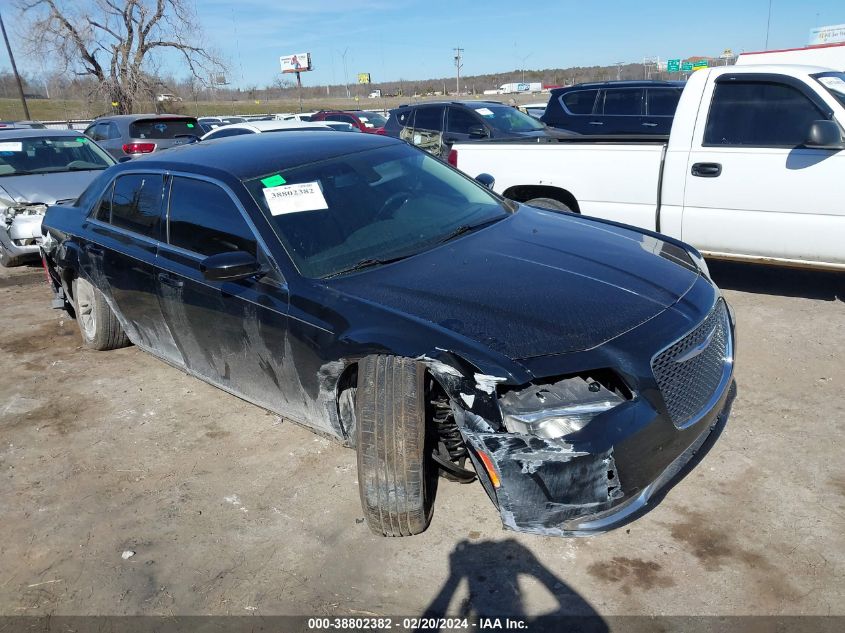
x,y
99,326
396,477
548,203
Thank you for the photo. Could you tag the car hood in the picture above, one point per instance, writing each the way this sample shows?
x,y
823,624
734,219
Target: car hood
x,y
533,284
48,188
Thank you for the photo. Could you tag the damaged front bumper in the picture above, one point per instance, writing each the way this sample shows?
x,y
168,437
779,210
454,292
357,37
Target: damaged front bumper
x,y
20,230
554,488
621,462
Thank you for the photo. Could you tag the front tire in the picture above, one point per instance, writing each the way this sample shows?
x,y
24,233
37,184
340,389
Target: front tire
x,y
548,203
395,471
98,325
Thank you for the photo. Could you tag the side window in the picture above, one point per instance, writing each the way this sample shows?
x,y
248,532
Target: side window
x,y
205,220
111,131
405,118
96,132
223,132
759,114
429,118
662,101
580,101
343,118
460,121
136,202
103,211
622,101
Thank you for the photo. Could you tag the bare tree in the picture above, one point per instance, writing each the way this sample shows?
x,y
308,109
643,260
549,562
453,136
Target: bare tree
x,y
118,42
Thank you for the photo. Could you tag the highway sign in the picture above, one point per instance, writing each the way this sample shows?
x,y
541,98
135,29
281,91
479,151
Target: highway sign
x,y
686,67
673,65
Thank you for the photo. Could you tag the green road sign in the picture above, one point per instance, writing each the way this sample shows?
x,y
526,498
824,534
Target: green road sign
x,y
673,65
700,64
686,67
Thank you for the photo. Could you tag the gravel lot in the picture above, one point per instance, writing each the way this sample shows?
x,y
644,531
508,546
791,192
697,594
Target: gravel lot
x,y
230,510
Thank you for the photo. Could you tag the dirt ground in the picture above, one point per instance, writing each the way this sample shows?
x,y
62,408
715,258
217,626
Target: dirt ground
x,y
230,510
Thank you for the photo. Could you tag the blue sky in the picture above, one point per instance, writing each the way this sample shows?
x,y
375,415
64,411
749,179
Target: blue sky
x,y
413,39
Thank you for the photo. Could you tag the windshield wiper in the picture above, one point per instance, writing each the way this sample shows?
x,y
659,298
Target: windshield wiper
x,y
466,228
19,172
365,263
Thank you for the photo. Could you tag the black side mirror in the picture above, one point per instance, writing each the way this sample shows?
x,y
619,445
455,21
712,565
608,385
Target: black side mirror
x,y
824,134
478,131
229,266
485,179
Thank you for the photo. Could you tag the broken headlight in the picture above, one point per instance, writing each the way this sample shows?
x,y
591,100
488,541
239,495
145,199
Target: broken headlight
x,y
557,409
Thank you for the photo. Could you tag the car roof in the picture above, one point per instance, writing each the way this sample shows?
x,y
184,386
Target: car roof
x,y
271,126
251,155
459,102
135,117
641,83
28,132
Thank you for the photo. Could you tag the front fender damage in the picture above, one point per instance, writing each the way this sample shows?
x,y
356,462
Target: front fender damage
x,y
537,484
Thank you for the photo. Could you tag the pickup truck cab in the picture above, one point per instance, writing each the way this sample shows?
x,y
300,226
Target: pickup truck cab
x,y
748,172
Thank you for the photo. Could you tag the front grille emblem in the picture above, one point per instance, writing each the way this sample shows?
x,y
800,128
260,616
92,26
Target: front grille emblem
x,y
695,351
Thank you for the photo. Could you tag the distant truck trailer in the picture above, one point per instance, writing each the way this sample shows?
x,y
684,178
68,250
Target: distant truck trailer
x,y
516,88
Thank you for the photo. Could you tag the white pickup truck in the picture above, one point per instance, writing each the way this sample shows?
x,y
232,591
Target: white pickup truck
x,y
753,169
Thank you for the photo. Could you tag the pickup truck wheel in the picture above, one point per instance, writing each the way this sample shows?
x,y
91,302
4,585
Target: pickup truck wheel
x,y
395,471
548,203
99,327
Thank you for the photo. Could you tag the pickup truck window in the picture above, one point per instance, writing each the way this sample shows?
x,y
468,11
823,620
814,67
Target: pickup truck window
x,y
759,114
580,101
834,83
623,101
136,203
202,218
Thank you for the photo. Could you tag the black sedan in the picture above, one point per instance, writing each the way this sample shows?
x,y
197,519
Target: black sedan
x,y
361,287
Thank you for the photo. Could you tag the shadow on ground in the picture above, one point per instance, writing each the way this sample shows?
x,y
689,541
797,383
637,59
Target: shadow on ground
x,y
778,280
492,570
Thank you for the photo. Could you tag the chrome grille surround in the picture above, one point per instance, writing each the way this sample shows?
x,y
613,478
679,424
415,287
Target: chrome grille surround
x,y
693,371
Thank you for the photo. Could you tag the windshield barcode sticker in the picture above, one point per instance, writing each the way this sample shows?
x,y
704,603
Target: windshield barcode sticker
x,y
484,111
11,147
306,196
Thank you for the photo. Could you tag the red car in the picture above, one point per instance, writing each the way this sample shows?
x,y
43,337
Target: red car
x,y
364,120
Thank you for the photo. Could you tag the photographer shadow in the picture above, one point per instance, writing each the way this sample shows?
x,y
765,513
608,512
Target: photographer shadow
x,y
491,570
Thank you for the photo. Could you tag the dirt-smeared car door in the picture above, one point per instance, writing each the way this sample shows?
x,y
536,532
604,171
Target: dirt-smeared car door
x,y
232,333
121,256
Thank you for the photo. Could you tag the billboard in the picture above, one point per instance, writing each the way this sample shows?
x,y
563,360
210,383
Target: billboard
x,y
298,63
363,78
827,34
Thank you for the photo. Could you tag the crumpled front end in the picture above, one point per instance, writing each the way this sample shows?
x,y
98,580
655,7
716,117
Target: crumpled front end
x,y
20,229
587,452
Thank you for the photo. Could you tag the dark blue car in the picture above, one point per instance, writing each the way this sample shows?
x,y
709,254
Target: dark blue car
x,y
614,107
359,286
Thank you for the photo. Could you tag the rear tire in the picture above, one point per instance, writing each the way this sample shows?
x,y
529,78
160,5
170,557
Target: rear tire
x,y
98,325
548,203
395,471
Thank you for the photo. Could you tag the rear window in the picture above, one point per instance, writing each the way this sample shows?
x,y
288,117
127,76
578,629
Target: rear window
x,y
372,119
663,101
163,128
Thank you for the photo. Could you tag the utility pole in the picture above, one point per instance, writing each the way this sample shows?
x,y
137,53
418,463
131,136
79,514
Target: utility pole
x,y
768,24
15,70
619,71
345,74
459,63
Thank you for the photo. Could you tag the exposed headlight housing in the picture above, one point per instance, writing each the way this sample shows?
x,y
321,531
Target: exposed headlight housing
x,y
557,409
